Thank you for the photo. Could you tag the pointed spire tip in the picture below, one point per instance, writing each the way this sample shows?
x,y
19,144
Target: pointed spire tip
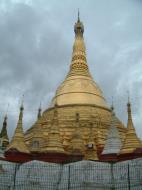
x,y
5,117
22,103
39,112
128,94
78,15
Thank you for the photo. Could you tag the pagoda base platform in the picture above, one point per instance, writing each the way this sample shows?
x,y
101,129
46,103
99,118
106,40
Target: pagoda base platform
x,y
120,157
17,157
52,157
56,157
129,156
109,158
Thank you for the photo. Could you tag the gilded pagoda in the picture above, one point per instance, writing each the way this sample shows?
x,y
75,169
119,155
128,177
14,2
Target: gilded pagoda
x,y
78,124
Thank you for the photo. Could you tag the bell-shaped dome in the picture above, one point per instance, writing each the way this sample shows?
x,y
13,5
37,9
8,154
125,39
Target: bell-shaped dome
x,y
79,87
79,90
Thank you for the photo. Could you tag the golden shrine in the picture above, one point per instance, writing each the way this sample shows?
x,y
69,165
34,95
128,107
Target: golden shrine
x,y
79,124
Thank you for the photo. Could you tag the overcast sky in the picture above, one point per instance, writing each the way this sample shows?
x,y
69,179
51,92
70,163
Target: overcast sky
x,y
36,38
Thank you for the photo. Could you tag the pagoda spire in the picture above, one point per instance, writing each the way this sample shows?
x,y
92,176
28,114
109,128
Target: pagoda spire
x,y
4,129
39,112
54,140
18,140
3,134
78,16
130,124
79,61
131,142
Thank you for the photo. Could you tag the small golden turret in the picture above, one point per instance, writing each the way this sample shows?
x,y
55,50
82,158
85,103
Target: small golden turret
x,y
18,140
91,152
37,137
54,139
3,135
131,142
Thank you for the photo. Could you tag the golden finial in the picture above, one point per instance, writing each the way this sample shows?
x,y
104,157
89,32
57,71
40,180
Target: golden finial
x,y
39,111
21,108
78,28
129,104
5,117
22,103
78,15
128,95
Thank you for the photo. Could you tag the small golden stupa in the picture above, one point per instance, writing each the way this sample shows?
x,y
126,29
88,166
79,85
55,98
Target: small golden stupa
x,y
3,134
18,141
54,142
131,141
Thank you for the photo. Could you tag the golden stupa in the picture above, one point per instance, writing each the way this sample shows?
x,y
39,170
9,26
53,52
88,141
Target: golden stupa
x,y
18,141
4,140
131,141
78,93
